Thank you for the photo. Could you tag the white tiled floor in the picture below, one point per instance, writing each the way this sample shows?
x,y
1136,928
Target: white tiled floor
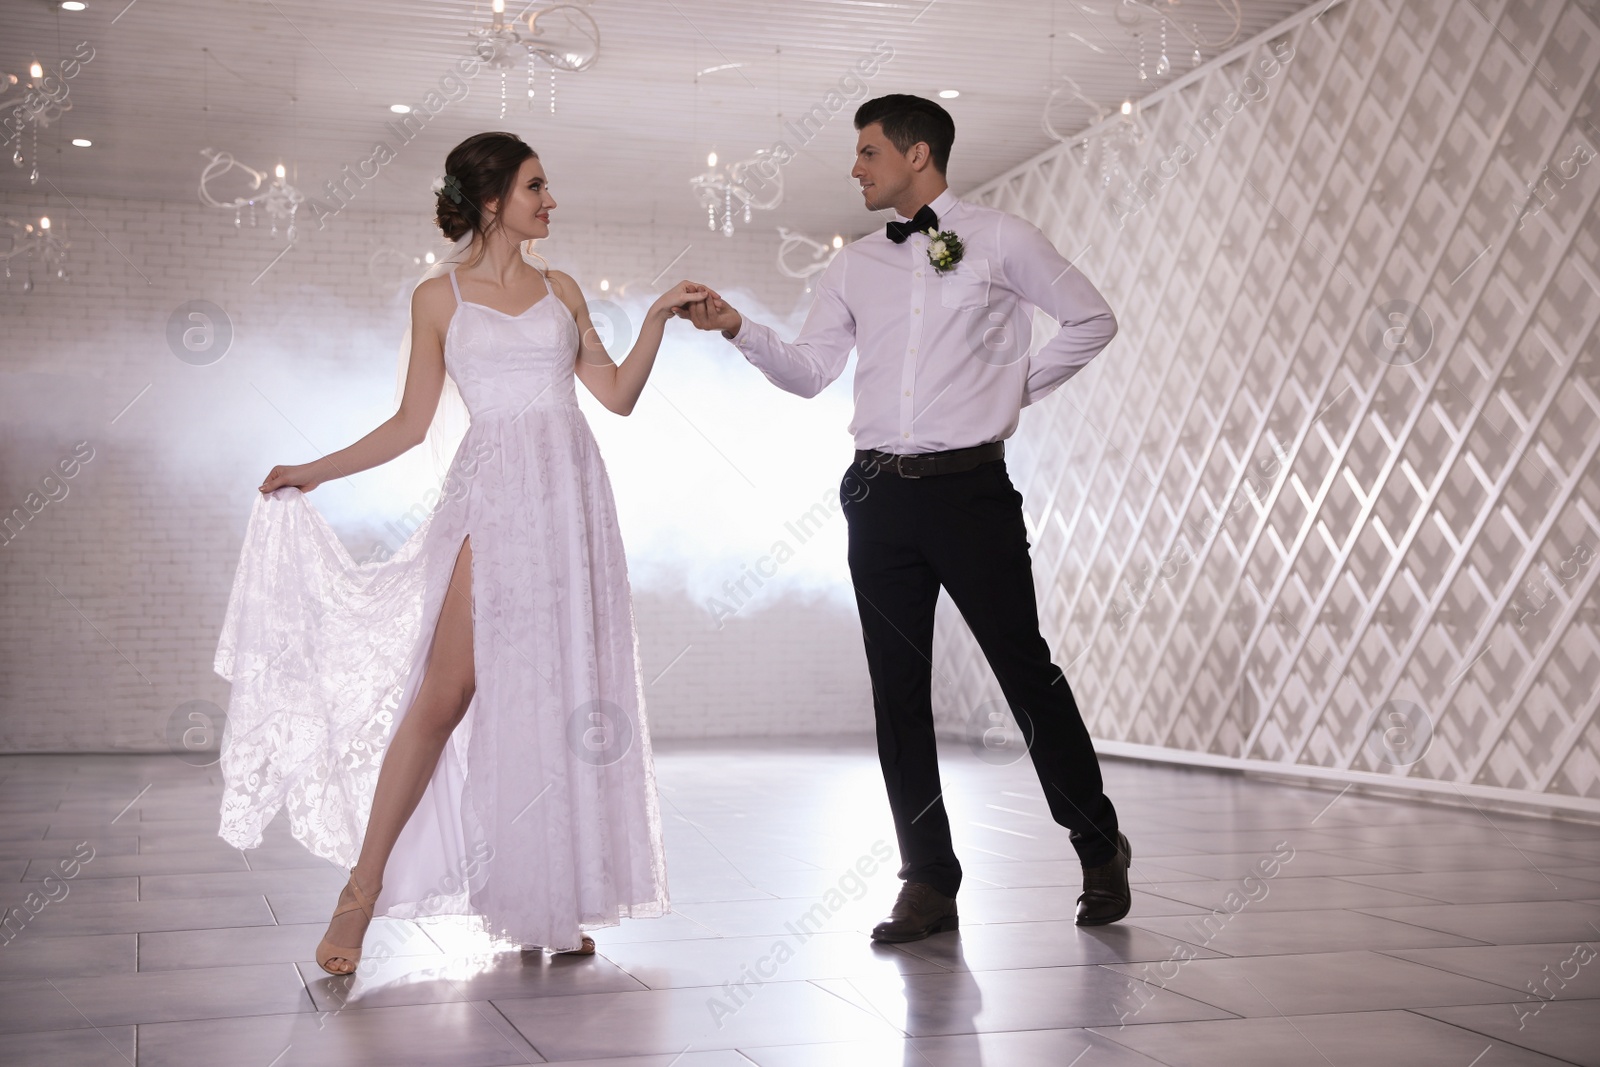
x,y
1397,933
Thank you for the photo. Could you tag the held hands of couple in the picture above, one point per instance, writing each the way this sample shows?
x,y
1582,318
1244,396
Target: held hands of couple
x,y
712,313
685,294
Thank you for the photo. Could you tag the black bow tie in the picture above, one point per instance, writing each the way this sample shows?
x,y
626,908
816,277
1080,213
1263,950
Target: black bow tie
x,y
925,220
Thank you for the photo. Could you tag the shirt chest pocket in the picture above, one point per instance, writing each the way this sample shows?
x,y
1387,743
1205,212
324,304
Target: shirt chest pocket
x,y
966,285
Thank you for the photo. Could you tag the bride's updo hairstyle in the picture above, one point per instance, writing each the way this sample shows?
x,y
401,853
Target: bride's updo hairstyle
x,y
480,169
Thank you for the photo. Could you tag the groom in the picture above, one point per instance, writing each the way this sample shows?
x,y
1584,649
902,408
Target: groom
x,y
937,390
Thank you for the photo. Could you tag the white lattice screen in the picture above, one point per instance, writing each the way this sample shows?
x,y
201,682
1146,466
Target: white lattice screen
x,y
1333,489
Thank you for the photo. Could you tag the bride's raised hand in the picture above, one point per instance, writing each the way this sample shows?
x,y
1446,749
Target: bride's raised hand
x,y
680,297
302,476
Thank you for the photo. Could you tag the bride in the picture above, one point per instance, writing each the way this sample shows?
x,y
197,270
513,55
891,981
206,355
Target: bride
x,y
462,724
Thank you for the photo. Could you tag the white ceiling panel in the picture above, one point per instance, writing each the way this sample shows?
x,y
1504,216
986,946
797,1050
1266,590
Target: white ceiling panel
x,y
309,84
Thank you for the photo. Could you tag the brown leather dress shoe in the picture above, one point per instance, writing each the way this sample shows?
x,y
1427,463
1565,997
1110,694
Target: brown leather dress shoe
x,y
1106,896
919,911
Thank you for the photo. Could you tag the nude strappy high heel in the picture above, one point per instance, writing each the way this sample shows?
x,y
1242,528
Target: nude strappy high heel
x,y
327,951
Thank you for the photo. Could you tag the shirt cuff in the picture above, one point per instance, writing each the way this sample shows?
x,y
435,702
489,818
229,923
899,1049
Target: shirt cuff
x,y
745,338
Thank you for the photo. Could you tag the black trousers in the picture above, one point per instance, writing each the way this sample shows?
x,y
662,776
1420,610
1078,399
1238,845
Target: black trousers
x,y
908,537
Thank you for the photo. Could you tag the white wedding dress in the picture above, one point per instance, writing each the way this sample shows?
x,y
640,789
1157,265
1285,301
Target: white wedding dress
x,y
542,816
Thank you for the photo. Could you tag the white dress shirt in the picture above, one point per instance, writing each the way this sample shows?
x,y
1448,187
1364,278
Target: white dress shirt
x,y
942,359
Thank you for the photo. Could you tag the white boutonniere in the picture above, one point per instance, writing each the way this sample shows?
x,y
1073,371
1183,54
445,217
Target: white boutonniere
x,y
944,249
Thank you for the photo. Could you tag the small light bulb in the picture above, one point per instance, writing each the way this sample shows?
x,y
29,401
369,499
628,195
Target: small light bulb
x,y
44,222
605,285
81,142
711,159
400,109
1127,107
499,7
838,242
278,170
35,71
428,257
949,94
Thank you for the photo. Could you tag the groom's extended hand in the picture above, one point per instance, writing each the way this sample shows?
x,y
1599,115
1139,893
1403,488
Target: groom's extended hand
x,y
712,313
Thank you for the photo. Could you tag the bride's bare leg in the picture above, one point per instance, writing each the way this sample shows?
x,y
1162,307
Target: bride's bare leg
x,y
413,753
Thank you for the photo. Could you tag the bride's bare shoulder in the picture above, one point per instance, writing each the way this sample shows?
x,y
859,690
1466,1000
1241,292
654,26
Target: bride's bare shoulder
x,y
435,289
432,303
566,287
434,294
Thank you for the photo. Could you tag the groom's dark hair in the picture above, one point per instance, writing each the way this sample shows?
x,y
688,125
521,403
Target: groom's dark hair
x,y
907,120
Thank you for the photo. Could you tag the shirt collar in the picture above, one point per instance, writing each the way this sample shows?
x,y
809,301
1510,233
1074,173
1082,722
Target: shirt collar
x,y
940,204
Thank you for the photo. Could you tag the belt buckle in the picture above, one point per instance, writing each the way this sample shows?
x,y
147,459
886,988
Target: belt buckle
x,y
899,467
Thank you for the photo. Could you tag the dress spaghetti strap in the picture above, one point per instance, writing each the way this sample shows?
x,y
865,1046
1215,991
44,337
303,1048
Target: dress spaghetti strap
x,y
454,286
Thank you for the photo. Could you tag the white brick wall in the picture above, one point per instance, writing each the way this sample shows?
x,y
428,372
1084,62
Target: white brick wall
x,y
114,593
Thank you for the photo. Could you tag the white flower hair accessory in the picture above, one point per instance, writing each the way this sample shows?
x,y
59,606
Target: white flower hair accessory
x,y
449,185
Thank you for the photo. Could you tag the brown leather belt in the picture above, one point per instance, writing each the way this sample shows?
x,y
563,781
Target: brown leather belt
x,y
922,464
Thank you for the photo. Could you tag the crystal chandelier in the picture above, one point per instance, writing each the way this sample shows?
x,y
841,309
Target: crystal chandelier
x,y
1138,17
1114,151
280,200
38,244
562,37
35,111
1134,17
1109,150
728,188
820,254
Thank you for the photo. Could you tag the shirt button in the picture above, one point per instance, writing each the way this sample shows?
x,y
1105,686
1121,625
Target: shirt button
x,y
916,311
905,435
908,392
919,274
913,351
